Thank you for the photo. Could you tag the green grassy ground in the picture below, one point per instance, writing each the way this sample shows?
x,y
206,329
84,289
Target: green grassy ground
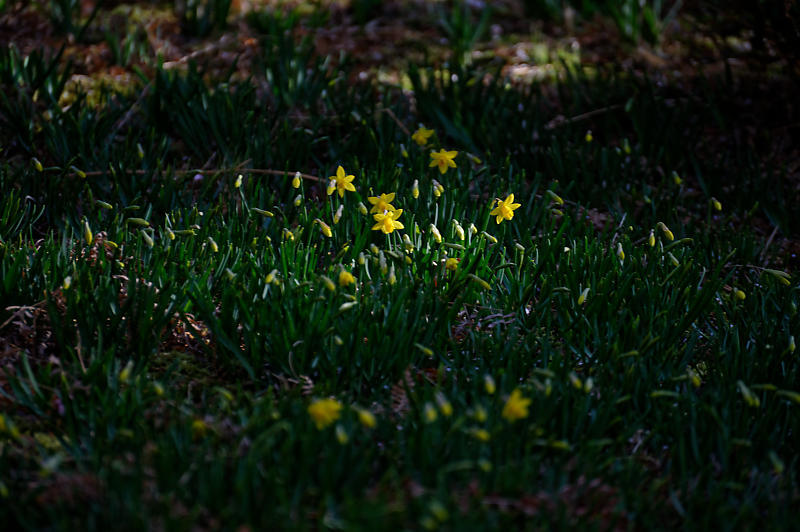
x,y
181,348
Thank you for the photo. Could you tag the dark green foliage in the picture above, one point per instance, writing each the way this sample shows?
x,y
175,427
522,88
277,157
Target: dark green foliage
x,y
171,304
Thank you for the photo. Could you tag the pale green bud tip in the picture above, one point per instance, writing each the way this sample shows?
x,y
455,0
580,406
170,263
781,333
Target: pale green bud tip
x,y
555,197
666,231
125,374
87,232
262,212
672,259
80,173
782,276
489,384
426,350
329,284
749,397
583,296
483,284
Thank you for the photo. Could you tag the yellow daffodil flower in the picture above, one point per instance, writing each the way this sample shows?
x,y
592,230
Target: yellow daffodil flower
x,y
421,136
382,203
451,264
341,182
388,222
366,418
443,160
324,412
505,209
346,278
296,180
516,407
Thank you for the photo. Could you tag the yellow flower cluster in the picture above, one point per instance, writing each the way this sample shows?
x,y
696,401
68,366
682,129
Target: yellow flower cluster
x,y
325,412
